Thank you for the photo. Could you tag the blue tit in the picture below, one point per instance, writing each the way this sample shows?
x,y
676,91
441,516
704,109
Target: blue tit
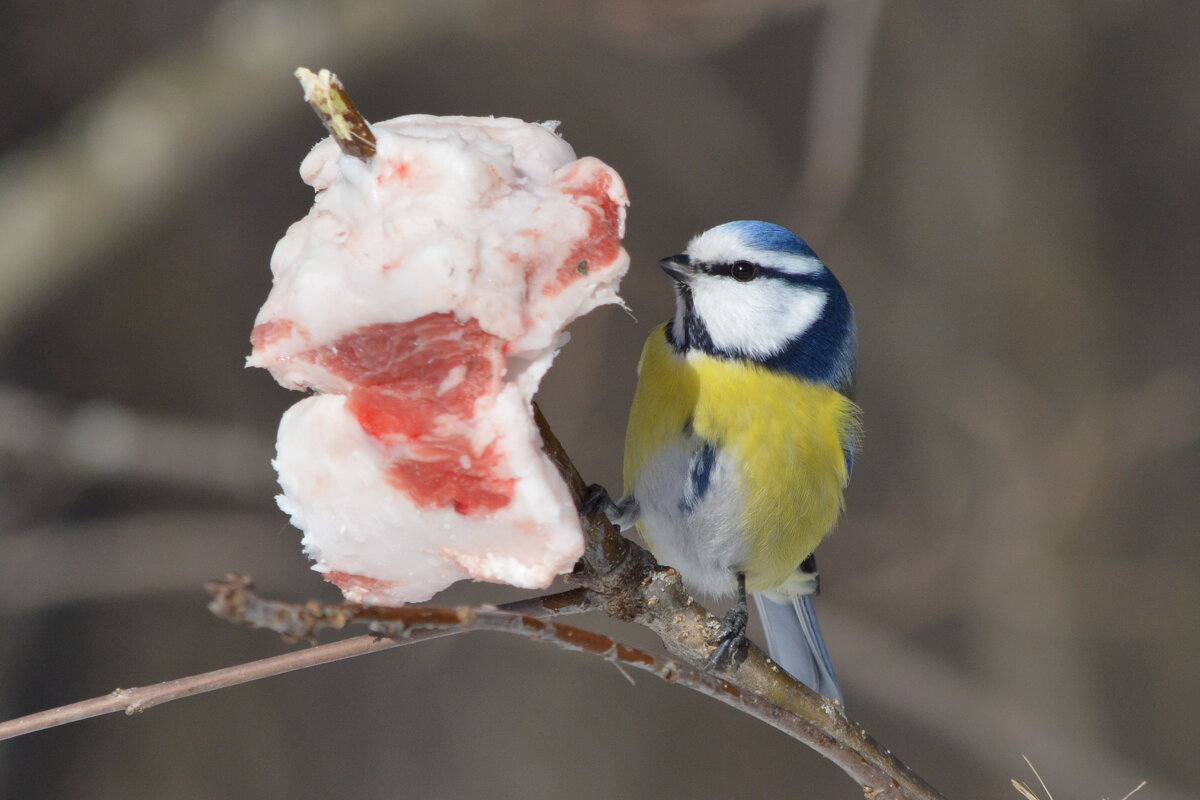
x,y
743,432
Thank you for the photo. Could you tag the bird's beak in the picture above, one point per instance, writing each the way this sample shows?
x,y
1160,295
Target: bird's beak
x,y
678,267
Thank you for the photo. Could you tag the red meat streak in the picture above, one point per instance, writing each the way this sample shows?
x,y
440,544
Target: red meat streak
x,y
349,582
270,332
400,372
602,243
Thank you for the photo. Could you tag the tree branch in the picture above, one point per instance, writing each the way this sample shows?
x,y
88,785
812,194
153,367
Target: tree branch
x,y
631,586
235,600
615,574
138,699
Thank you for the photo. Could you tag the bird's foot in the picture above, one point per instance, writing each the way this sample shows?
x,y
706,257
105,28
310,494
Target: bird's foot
x,y
623,513
731,642
597,499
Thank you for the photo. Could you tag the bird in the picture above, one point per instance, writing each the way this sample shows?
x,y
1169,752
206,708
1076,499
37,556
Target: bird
x,y
743,433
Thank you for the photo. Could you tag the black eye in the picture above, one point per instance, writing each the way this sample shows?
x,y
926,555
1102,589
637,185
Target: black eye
x,y
743,271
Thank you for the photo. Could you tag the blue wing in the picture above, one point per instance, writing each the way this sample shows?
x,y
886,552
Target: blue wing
x,y
699,477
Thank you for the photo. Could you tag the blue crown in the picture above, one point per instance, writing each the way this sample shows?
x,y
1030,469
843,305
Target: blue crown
x,y
769,236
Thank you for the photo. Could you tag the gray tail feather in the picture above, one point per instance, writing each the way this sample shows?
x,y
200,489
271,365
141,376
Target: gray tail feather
x,y
795,643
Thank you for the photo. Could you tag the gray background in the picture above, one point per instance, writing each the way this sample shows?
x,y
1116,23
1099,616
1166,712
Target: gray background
x,y
1008,190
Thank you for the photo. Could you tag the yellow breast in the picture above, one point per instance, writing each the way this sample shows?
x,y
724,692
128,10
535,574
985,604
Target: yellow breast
x,y
788,435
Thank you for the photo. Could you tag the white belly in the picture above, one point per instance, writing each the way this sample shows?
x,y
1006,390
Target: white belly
x,y
701,537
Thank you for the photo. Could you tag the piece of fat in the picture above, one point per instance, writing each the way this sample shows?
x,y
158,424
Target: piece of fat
x,y
423,297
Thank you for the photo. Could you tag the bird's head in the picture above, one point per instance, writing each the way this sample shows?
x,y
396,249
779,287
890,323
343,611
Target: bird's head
x,y
756,291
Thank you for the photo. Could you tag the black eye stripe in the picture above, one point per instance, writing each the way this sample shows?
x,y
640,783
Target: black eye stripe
x,y
726,270
735,269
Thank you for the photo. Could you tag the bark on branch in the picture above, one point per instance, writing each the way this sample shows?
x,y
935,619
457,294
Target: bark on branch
x,y
627,582
235,600
616,575
140,698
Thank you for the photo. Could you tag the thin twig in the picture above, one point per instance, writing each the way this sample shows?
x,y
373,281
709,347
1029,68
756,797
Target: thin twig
x,y
236,601
1134,790
138,699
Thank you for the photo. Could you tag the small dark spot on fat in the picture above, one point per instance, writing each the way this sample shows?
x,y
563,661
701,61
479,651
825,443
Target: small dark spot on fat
x,y
582,267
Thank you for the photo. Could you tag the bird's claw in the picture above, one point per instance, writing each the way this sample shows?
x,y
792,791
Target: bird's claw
x,y
596,499
622,513
730,641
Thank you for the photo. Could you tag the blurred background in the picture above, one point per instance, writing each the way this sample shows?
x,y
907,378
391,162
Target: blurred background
x,y
1009,192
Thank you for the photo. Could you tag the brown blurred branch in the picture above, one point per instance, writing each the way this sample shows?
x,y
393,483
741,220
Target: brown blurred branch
x,y
838,107
690,27
114,164
138,699
100,439
51,566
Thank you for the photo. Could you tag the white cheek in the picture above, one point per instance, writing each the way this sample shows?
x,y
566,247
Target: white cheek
x,y
758,318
